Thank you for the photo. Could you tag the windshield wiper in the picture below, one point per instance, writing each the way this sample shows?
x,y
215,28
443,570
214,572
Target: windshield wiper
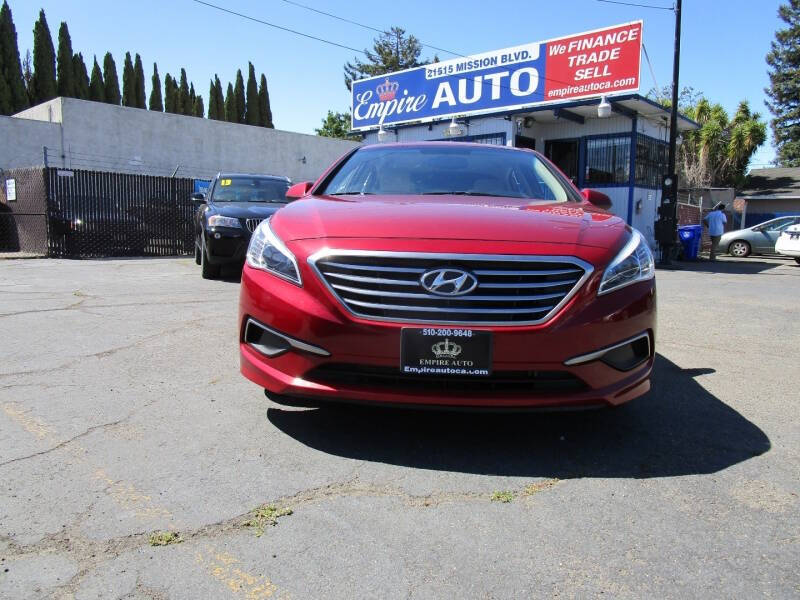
x,y
353,194
468,193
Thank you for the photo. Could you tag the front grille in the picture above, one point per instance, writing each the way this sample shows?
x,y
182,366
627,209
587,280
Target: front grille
x,y
511,290
252,224
501,382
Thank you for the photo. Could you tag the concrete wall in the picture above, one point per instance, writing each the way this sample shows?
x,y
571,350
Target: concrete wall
x,y
22,142
114,138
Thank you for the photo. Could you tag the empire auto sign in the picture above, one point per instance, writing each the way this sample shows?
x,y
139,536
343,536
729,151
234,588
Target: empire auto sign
x,y
594,63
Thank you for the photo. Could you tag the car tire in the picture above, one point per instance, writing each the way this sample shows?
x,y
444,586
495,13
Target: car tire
x,y
739,249
208,270
797,260
197,257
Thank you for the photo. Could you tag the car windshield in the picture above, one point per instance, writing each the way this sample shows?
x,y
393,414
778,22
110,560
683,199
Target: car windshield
x,y
250,189
448,169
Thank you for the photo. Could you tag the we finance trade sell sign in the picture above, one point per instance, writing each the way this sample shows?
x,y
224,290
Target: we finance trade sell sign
x,y
594,63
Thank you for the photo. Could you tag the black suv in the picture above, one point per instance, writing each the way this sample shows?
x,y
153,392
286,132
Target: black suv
x,y
227,216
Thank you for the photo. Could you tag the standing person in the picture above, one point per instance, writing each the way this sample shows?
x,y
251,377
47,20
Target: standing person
x,y
715,220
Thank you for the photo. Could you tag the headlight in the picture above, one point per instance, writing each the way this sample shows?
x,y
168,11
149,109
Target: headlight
x,y
269,253
220,221
633,263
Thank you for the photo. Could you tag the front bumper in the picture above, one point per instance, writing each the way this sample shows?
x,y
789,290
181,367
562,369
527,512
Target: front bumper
x,y
531,364
790,247
226,245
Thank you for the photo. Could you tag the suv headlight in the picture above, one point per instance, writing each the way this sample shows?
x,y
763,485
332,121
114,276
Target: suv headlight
x,y
220,221
269,253
633,263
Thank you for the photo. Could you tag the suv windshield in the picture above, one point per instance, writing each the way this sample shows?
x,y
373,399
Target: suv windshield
x,y
249,189
440,170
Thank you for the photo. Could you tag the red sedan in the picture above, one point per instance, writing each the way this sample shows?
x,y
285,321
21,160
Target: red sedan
x,y
447,274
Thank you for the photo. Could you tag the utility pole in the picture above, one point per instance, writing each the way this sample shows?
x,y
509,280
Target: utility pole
x,y
666,228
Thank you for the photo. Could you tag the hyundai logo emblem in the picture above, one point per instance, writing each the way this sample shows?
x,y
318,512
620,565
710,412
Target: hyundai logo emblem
x,y
448,282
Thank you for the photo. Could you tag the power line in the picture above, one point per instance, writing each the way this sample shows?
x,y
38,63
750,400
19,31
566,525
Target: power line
x,y
382,31
637,4
281,27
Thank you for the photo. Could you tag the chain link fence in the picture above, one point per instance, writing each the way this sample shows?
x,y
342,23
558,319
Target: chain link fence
x,y
72,213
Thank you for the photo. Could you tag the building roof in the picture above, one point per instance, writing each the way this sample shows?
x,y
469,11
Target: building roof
x,y
774,183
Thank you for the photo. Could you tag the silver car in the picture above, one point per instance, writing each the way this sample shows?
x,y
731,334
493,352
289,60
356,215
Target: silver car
x,y
759,239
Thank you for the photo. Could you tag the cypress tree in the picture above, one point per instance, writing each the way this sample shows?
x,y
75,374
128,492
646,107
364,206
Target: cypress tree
x,y
184,105
230,105
192,98
128,82
198,109
238,97
110,80
263,103
212,101
169,94
43,83
220,99
10,67
155,92
97,90
6,105
783,61
253,116
138,83
81,77
27,74
64,64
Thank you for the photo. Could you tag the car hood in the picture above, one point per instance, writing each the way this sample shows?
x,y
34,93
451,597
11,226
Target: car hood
x,y
448,217
247,210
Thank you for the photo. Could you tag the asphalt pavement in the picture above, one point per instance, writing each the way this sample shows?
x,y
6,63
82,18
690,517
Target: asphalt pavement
x,y
136,462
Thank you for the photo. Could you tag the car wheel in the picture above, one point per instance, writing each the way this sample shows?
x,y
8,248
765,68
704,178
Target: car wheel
x,y
197,252
797,260
208,270
739,249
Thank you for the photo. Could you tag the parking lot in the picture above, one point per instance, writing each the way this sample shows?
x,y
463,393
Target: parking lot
x,y
123,414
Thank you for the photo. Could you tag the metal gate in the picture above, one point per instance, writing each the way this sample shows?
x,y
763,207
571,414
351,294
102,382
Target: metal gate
x,y
23,212
97,214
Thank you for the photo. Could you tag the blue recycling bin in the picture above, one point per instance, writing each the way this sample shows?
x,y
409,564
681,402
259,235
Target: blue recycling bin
x,y
691,236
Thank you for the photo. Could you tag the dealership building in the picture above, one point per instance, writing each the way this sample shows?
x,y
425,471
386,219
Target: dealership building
x,y
574,99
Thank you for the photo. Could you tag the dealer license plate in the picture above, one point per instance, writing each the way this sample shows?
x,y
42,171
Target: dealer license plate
x,y
445,351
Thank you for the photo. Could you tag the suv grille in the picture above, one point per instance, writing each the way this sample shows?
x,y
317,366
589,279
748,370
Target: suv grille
x,y
511,290
252,224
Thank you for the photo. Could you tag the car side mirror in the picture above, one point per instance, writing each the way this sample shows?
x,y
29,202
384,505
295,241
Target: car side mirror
x,y
599,199
198,197
298,190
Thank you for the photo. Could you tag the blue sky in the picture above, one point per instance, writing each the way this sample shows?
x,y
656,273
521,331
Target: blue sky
x,y
723,42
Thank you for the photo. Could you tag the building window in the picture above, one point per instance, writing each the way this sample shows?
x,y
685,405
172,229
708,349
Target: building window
x,y
608,160
651,161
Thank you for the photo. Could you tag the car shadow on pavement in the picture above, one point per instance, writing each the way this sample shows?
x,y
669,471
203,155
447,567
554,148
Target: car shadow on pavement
x,y
678,428
733,266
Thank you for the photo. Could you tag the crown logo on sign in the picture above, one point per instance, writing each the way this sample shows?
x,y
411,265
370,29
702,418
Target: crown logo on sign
x,y
387,90
446,349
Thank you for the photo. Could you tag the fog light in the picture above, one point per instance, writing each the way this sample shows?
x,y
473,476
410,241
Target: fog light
x,y
623,356
217,236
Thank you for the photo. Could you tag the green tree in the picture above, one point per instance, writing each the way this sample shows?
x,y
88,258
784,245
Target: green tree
x,y
230,105
111,80
139,92
64,65
10,67
239,98
213,104
253,113
97,90
393,50
155,91
192,98
81,77
336,125
27,74
6,105
718,153
43,84
784,90
220,98
128,82
170,94
265,111
184,105
198,109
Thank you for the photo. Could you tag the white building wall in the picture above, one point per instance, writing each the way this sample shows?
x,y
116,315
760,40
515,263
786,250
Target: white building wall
x,y
22,142
115,138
